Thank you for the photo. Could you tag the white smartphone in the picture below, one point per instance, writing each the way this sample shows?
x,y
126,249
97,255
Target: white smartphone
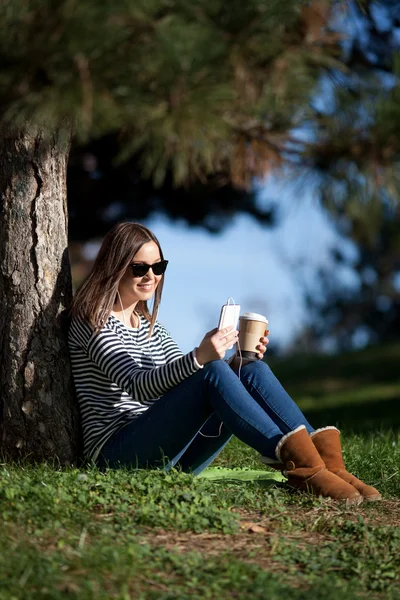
x,y
229,316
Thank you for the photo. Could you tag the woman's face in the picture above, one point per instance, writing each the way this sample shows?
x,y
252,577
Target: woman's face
x,y
133,289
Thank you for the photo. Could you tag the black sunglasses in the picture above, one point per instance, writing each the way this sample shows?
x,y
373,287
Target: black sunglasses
x,y
140,269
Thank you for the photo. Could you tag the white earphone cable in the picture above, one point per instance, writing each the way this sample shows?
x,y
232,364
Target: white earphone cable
x,y
238,374
122,308
240,365
148,354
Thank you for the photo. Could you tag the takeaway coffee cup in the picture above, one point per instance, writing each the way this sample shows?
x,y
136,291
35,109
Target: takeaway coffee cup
x,y
252,327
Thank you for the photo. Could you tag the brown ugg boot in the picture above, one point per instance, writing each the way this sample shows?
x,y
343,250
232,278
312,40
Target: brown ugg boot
x,y
306,470
327,442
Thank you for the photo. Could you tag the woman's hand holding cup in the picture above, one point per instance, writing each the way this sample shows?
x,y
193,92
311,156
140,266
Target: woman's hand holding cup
x,y
262,346
215,344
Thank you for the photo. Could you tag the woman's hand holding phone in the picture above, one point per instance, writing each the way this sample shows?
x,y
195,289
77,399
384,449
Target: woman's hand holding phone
x,y
215,344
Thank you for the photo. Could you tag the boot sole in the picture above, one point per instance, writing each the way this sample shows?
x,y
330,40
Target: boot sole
x,y
355,501
376,498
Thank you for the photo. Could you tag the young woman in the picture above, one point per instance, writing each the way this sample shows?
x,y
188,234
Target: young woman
x,y
146,404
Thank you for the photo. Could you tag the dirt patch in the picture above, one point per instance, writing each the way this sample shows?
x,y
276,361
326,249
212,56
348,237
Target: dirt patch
x,y
259,533
376,514
255,548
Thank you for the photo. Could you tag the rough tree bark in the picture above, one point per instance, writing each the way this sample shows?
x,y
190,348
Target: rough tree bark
x,y
38,411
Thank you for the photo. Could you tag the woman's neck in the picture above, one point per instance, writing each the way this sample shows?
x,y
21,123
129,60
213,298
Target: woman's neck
x,y
127,314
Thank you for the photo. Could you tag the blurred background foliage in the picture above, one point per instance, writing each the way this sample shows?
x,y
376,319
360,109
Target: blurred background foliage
x,y
179,107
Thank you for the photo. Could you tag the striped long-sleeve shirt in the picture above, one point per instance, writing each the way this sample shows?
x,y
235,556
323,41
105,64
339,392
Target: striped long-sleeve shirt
x,y
120,372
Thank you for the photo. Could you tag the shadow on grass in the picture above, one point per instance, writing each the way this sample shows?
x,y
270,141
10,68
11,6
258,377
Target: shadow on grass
x,y
357,391
263,479
358,418
261,484
373,364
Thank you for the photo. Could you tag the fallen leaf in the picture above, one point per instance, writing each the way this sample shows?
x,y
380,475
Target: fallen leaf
x,y
252,527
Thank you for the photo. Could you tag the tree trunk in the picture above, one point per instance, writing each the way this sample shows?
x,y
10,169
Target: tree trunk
x,y
38,411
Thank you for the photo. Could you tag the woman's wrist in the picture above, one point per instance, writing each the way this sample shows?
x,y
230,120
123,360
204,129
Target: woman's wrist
x,y
197,359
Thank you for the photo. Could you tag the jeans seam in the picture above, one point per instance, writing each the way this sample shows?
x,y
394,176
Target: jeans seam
x,y
276,413
237,414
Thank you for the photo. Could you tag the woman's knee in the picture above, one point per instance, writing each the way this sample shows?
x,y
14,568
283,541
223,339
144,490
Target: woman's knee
x,y
256,366
218,367
217,370
256,370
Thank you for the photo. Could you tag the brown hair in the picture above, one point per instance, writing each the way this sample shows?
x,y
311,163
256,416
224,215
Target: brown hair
x,y
95,298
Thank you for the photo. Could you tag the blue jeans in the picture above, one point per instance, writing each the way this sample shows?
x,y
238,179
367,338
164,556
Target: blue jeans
x,y
172,432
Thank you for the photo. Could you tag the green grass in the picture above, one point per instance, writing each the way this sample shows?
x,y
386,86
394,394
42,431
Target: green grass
x,y
358,391
82,533
122,534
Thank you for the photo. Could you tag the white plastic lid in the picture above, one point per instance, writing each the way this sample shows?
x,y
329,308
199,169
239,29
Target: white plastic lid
x,y
250,316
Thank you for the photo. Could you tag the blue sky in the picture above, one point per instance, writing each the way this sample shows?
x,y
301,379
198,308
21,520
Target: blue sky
x,y
263,269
